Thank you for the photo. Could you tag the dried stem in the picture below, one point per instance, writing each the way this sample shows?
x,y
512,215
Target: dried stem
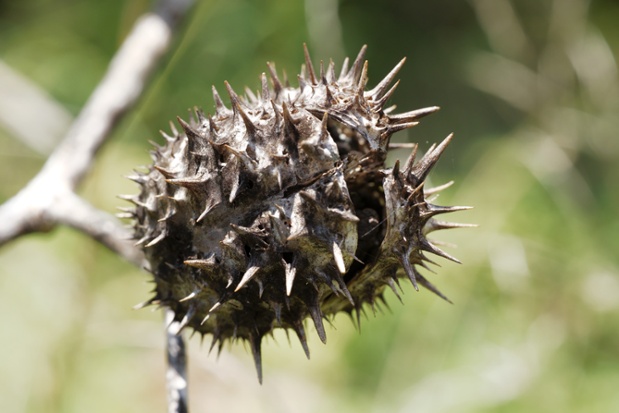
x,y
49,199
176,375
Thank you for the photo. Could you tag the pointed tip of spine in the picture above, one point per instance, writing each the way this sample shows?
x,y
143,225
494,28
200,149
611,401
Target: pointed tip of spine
x,y
409,269
363,79
391,283
330,99
413,115
344,288
234,97
156,240
330,74
191,295
316,315
300,330
167,137
427,162
183,124
358,309
200,264
237,108
396,169
338,257
289,121
186,319
249,274
435,189
410,161
440,148
219,104
383,86
291,273
208,208
344,70
249,96
255,343
429,286
325,123
200,115
380,102
277,84
428,246
146,303
308,64
173,128
266,92
437,225
167,174
355,71
393,128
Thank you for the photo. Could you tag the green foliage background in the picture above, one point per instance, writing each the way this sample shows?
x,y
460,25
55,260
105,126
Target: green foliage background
x,y
531,90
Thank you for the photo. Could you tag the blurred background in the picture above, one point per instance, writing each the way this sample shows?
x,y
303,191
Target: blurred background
x,y
531,90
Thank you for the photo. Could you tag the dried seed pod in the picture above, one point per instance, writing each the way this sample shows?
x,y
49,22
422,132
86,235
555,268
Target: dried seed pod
x,y
280,207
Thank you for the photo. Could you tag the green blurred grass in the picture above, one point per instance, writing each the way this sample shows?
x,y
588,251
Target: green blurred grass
x,y
534,325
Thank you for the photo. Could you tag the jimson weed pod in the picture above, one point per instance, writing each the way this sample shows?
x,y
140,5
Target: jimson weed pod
x,y
280,207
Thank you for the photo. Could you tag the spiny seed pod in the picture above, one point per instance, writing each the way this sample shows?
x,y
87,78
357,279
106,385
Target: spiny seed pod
x,y
280,208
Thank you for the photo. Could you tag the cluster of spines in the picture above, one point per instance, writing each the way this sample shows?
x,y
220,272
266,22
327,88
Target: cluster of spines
x,y
304,215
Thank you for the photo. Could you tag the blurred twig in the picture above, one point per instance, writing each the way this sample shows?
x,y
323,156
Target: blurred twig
x,y
19,100
49,199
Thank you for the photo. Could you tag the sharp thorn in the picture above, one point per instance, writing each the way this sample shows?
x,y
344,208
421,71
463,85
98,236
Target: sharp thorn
x,y
208,208
427,162
250,96
413,115
437,225
434,190
159,238
391,284
330,75
409,269
379,90
200,264
188,316
428,285
428,246
165,172
355,71
344,71
308,64
379,103
298,328
146,303
393,128
410,161
255,349
220,108
189,297
266,93
173,129
249,274
363,79
277,85
316,315
234,98
338,257
291,273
